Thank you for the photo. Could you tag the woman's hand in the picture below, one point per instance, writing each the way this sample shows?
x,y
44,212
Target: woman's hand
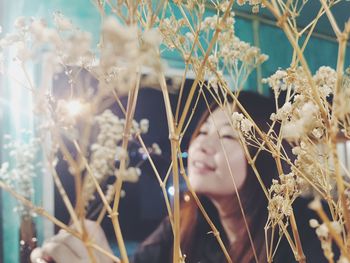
x,y
64,247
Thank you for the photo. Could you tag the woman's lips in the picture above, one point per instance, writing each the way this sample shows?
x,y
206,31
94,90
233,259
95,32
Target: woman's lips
x,y
202,166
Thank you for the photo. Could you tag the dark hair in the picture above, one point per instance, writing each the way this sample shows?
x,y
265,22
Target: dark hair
x,y
254,201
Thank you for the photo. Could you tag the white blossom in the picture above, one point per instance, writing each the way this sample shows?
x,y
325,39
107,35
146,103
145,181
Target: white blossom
x,y
62,23
144,125
23,52
277,81
282,193
156,149
303,122
20,176
314,223
20,22
315,204
325,78
131,175
246,126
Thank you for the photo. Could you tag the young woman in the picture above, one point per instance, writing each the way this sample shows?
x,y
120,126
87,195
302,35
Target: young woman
x,y
221,176
217,180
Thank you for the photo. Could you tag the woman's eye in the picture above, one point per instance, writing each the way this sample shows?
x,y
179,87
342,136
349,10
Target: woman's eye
x,y
202,133
227,136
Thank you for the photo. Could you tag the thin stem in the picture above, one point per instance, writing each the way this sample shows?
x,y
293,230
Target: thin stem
x,y
204,213
60,224
331,19
174,139
200,71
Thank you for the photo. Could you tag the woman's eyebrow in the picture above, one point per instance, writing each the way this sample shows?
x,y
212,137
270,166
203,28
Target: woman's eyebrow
x,y
226,124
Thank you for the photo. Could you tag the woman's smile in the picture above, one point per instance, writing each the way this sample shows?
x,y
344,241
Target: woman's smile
x,y
203,167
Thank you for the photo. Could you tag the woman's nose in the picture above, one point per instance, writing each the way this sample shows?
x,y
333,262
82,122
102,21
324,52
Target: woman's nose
x,y
208,145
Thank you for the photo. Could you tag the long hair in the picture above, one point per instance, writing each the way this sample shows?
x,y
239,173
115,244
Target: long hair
x,y
253,199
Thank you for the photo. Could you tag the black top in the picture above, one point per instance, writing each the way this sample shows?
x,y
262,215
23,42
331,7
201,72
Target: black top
x,y
157,248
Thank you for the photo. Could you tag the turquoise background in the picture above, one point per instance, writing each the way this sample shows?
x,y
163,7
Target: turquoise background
x,y
271,40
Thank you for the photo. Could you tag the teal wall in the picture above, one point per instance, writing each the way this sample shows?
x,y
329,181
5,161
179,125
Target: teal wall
x,y
272,42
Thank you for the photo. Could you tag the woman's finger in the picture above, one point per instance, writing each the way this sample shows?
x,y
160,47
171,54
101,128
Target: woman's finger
x,y
60,253
37,256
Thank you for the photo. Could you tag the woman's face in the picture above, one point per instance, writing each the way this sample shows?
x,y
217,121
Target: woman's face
x,y
209,170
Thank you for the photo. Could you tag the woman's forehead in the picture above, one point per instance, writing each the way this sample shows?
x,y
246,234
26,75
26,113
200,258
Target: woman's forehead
x,y
220,116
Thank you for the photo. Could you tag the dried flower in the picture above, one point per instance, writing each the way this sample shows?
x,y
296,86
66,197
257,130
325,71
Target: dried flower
x,y
282,194
314,223
322,233
105,152
144,125
315,204
130,175
241,123
62,23
325,79
20,176
156,149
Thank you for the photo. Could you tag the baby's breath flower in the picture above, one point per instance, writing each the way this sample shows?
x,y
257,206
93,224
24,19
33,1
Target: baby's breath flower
x,y
314,223
277,81
322,231
241,123
315,204
23,52
190,36
20,177
144,125
121,154
131,175
20,22
105,152
303,121
325,78
284,113
156,149
62,23
236,119
246,126
282,195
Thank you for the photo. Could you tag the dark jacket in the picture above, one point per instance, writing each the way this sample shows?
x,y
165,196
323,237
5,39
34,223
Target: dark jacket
x,y
158,247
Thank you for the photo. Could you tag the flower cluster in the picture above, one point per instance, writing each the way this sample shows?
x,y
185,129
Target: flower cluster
x,y
306,119
241,123
325,79
106,151
170,28
130,175
231,54
323,234
313,162
154,149
254,3
301,114
64,44
123,52
282,194
23,157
